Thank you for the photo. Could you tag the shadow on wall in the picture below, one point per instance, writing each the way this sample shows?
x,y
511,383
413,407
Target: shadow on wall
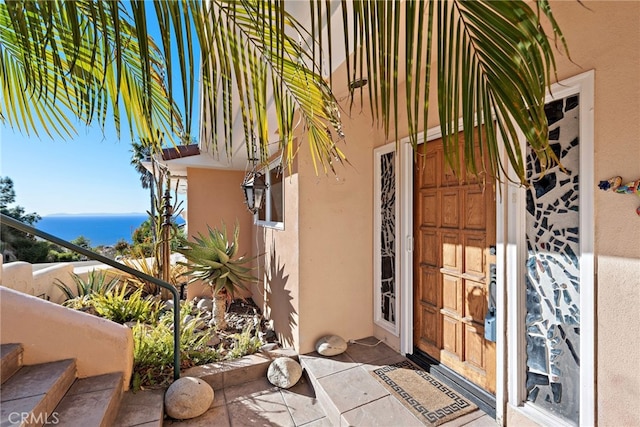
x,y
278,298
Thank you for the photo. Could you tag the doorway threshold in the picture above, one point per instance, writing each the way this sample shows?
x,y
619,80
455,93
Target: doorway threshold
x,y
482,398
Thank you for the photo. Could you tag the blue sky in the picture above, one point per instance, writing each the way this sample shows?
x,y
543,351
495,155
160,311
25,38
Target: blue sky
x,y
88,174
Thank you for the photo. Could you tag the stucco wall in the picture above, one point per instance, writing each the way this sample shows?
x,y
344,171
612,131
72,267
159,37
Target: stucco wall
x,y
49,332
214,196
279,268
336,239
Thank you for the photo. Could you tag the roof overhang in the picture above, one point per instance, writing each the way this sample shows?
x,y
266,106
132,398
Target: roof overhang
x,y
176,160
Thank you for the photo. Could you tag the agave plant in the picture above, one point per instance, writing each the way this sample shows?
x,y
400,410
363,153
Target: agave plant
x,y
97,283
213,259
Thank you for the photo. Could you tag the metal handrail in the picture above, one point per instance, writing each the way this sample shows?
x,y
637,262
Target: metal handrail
x,y
11,222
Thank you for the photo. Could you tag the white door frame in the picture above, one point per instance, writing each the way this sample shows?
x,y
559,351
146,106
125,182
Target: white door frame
x,y
510,251
512,248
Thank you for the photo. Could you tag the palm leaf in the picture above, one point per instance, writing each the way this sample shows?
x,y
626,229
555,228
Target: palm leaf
x,y
493,61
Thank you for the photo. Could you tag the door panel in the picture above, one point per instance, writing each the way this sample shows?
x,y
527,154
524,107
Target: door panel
x,y
455,221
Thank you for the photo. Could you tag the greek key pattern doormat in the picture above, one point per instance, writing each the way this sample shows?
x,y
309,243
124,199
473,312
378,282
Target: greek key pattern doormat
x,y
429,400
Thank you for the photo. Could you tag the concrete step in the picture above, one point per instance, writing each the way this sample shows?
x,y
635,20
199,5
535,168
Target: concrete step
x,y
141,408
231,373
90,402
10,360
31,395
349,394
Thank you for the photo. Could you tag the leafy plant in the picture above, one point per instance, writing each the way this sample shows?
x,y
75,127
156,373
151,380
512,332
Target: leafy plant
x,y
96,283
140,263
118,307
212,259
153,348
246,342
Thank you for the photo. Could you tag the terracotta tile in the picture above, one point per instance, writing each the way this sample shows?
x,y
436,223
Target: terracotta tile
x,y
302,402
215,417
322,422
20,406
369,350
321,366
36,379
397,358
86,409
249,390
386,411
352,388
246,369
483,421
97,383
141,407
219,399
267,409
466,419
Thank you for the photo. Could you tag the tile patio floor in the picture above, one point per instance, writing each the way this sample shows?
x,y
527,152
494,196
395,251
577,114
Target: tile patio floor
x,y
357,399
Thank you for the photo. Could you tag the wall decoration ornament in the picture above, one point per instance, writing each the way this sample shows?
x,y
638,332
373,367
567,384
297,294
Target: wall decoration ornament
x,y
615,184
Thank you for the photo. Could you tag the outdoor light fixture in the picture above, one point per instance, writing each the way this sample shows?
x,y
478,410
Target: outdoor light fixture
x,y
358,83
254,188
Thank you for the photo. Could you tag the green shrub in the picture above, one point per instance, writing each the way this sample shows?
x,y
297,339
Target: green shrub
x,y
153,349
118,307
96,283
244,343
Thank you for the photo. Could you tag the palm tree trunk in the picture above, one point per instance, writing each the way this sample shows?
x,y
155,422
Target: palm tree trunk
x,y
219,310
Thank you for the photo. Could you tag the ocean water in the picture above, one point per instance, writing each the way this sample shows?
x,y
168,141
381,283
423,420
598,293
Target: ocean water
x,y
99,229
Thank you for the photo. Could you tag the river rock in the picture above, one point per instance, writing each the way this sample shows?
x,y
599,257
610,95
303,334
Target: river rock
x,y
284,372
205,304
331,345
188,398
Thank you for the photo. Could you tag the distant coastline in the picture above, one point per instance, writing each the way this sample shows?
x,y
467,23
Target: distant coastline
x,y
100,229
56,215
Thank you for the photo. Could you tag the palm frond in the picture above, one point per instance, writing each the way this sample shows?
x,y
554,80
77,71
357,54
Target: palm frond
x,y
80,58
493,63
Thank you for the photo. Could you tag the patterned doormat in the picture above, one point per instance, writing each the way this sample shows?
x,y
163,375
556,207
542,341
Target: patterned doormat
x,y
429,400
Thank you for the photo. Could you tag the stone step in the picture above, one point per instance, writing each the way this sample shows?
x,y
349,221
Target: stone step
x,y
90,402
141,408
246,369
10,360
31,395
347,391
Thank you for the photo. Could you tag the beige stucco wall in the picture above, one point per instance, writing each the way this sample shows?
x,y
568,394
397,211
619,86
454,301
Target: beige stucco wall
x,y
336,232
214,196
279,269
49,332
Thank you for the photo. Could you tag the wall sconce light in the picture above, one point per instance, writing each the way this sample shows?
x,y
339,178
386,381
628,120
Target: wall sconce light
x,y
358,83
254,188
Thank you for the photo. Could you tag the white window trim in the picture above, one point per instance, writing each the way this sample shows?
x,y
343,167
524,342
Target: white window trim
x,y
514,251
267,177
394,328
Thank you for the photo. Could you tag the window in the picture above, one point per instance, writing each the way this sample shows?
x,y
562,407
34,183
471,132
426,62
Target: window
x,y
272,212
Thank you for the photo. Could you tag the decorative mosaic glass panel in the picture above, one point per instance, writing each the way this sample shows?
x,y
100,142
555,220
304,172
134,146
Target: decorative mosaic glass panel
x,y
553,269
388,237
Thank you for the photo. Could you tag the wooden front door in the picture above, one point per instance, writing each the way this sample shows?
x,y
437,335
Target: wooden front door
x,y
454,233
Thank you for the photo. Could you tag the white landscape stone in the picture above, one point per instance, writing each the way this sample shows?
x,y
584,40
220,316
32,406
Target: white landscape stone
x,y
188,398
331,345
205,304
284,372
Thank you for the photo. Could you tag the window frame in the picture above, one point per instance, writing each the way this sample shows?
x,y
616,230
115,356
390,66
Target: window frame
x,y
267,222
